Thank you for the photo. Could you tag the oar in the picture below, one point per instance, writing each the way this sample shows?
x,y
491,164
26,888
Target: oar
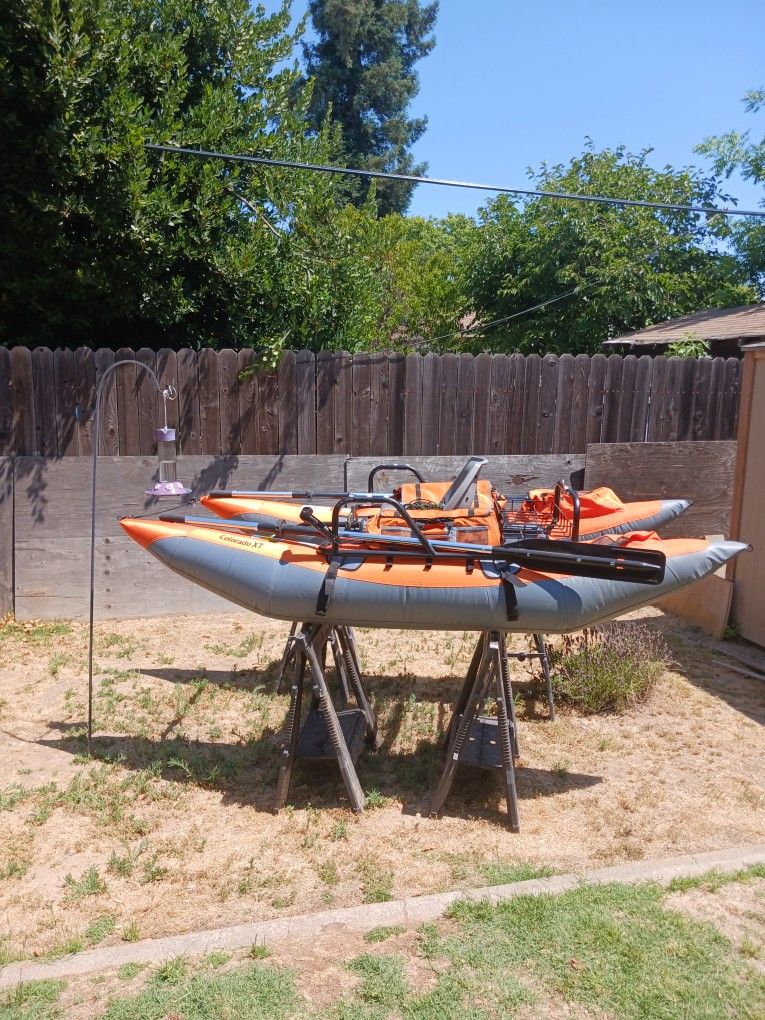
x,y
270,495
577,559
250,527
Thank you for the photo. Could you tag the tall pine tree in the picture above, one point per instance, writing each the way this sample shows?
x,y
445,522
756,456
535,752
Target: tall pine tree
x,y
362,63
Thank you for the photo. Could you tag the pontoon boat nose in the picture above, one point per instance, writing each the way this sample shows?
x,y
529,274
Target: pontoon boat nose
x,y
145,532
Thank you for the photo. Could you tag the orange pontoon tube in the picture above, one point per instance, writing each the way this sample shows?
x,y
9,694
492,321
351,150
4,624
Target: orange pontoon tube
x,y
382,581
601,510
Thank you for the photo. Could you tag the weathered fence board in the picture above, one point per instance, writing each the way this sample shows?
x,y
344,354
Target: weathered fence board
x,y
326,369
595,389
305,395
148,400
85,397
287,417
50,502
701,389
396,400
446,441
188,402
563,404
612,397
66,421
687,388
378,416
579,403
701,471
45,404
228,378
467,398
109,443
364,404
548,398
127,408
481,407
361,404
209,401
248,404
621,416
6,535
7,438
727,417
343,404
530,395
499,388
412,408
22,384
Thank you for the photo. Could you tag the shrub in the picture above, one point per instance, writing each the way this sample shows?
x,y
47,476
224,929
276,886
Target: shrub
x,y
608,669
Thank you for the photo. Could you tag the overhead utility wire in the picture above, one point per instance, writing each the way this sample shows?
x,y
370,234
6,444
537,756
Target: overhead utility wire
x,y
415,179
479,327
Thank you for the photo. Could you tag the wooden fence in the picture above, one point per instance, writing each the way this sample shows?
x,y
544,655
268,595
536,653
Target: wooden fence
x,y
365,404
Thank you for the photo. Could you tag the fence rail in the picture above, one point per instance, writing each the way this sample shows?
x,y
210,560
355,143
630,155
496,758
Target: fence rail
x,y
363,404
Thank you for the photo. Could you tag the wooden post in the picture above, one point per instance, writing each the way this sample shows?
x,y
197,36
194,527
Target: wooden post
x,y
748,517
6,536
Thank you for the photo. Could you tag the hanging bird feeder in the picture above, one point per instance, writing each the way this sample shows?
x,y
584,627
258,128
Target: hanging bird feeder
x,y
167,485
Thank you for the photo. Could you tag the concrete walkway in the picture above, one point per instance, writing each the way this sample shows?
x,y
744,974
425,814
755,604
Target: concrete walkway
x,y
407,912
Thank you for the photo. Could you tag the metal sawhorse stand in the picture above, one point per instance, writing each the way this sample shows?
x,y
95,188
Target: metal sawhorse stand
x,y
328,731
488,742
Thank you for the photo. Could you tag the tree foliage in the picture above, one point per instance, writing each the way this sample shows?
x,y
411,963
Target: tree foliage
x,y
104,242
629,266
737,151
413,291
362,66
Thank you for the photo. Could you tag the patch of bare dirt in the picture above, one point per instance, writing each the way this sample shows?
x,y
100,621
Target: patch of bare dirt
x,y
737,910
171,829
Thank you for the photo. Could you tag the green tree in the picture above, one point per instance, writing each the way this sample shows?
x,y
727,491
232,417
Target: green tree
x,y
739,151
414,289
30,148
103,242
362,66
629,266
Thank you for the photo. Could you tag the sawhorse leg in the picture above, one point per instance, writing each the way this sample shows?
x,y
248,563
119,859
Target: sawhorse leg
x,y
508,728
541,647
348,772
289,651
488,743
347,641
509,700
461,724
467,687
308,647
293,724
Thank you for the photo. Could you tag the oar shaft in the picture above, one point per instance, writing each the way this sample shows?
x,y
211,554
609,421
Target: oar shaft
x,y
550,555
269,495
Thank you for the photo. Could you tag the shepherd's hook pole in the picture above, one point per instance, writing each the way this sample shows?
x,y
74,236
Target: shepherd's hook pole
x,y
167,391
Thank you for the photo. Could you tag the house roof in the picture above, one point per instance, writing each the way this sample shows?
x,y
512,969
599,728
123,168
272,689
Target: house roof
x,y
746,322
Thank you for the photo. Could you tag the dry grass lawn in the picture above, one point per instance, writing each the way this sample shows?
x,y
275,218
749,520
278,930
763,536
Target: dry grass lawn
x,y
171,828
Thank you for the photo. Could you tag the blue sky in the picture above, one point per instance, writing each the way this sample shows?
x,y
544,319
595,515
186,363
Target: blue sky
x,y
512,84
